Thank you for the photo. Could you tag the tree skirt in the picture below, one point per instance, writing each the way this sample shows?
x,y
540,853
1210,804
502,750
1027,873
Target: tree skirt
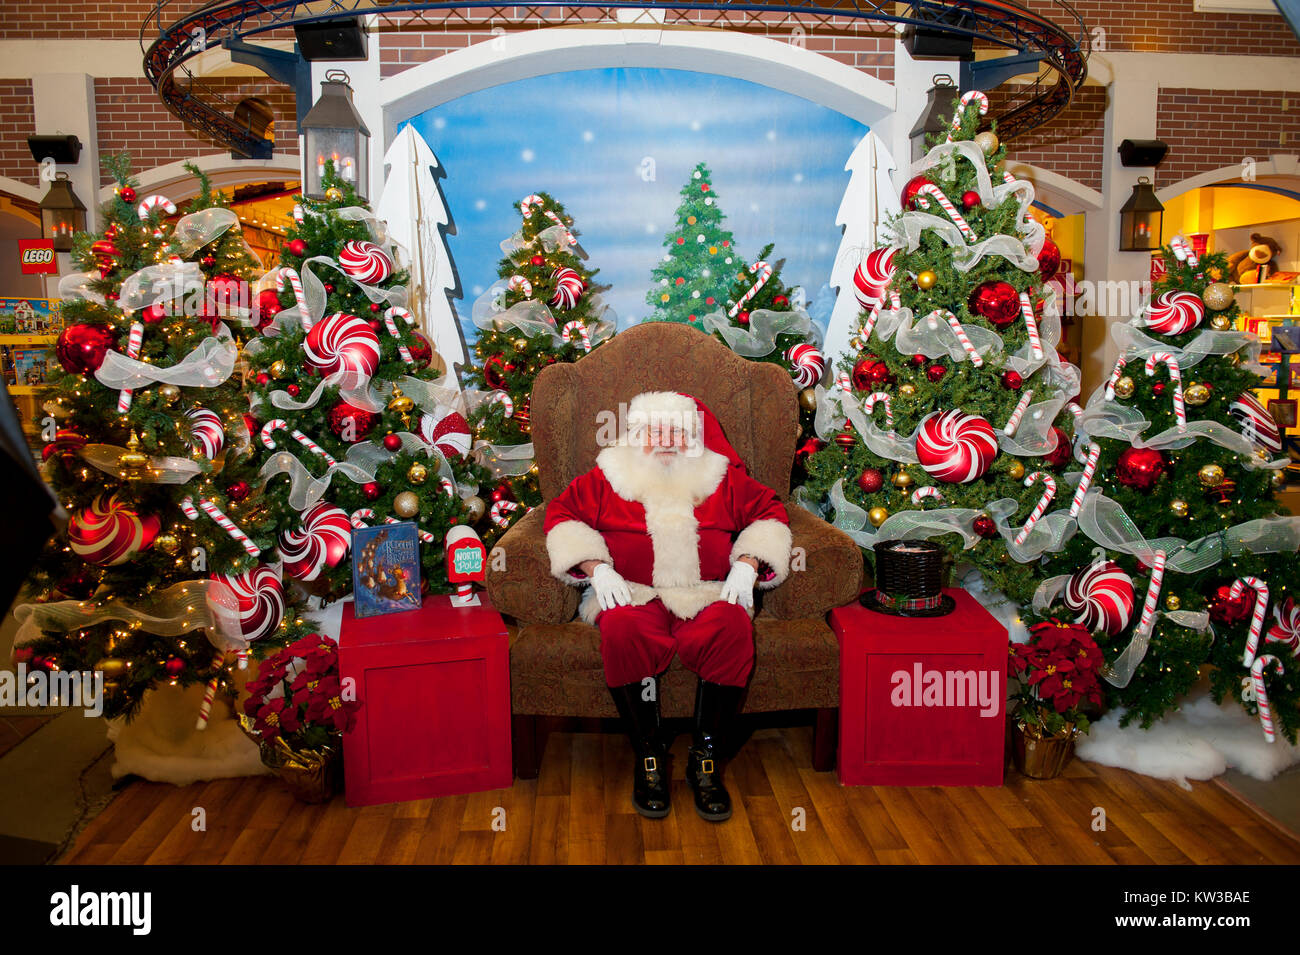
x,y
1200,741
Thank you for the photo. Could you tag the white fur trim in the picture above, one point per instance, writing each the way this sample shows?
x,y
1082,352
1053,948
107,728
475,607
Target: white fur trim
x,y
770,541
569,543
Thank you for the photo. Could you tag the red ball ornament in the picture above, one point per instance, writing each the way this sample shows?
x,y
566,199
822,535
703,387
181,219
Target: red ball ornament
x,y
1158,388
503,492
226,289
293,390
78,586
871,481
376,325
868,372
110,296
297,247
127,194
81,348
846,440
350,423
1062,453
262,378
742,318
494,371
537,260
970,199
1140,468
329,289
936,372
392,442
780,300
376,307
208,261
1225,611
174,666
1011,380
251,424
996,301
984,526
421,350
371,490
268,306
238,491
910,191
153,314
1049,260
23,654
919,360
807,450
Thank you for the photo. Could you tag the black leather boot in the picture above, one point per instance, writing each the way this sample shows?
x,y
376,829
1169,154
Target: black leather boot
x,y
640,716
715,705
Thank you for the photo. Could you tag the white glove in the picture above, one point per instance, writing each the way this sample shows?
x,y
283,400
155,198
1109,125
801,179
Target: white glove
x,y
611,589
739,585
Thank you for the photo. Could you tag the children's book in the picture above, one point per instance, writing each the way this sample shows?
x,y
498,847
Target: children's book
x,y
385,569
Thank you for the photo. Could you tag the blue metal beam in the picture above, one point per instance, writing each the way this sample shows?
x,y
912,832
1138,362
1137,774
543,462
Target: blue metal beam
x,y
287,68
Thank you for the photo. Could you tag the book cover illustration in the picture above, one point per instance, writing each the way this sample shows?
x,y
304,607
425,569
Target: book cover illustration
x,y
385,569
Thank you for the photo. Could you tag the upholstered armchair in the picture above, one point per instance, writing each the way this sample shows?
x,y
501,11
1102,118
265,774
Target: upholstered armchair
x,y
555,663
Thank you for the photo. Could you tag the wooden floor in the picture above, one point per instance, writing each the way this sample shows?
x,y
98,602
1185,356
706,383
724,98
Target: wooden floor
x,y
579,811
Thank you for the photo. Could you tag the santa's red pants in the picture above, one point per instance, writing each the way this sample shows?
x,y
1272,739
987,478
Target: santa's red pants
x,y
717,644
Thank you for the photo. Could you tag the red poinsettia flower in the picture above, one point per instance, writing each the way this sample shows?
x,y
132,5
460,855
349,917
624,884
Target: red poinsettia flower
x,y
328,706
276,717
313,642
303,687
320,662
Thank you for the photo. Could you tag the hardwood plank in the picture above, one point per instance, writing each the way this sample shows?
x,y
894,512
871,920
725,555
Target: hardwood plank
x,y
369,827
474,847
511,846
167,805
442,827
401,841
248,847
896,857
699,837
1007,806
1264,840
877,827
811,843
1075,839
331,834
1001,838
623,840
771,831
901,807
663,857
736,842
951,828
835,815
550,828
290,842
587,800
553,777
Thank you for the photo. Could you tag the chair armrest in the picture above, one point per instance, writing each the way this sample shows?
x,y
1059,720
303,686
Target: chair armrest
x,y
825,570
519,580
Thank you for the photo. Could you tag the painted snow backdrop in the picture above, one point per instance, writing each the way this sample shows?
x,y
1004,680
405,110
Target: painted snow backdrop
x,y
615,145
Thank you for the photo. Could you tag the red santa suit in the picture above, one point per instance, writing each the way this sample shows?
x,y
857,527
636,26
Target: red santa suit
x,y
673,535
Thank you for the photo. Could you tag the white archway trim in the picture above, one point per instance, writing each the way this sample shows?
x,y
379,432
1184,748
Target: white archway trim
x,y
20,189
1272,166
177,184
1057,191
758,59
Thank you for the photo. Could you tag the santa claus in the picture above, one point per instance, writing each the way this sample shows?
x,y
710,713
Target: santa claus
x,y
671,535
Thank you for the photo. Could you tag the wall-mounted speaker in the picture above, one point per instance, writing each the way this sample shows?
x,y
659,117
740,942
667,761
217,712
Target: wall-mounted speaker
x,y
331,40
1142,152
65,150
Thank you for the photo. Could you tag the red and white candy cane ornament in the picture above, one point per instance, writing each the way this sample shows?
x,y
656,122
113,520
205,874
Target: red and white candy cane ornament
x,y
1257,669
1183,251
1256,618
505,402
390,322
863,335
579,328
1085,481
276,424
1031,326
845,383
207,436
960,112
298,215
225,523
526,207
880,397
1171,363
764,273
1148,619
133,343
210,693
150,203
930,189
499,511
527,202
1021,406
921,493
1114,377
518,282
1049,492
362,514
291,278
955,324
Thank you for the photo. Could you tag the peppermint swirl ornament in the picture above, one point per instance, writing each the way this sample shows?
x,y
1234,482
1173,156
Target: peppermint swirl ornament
x,y
365,262
808,364
1175,313
109,532
872,277
449,433
1102,596
955,447
323,541
1257,425
249,605
206,433
343,345
568,288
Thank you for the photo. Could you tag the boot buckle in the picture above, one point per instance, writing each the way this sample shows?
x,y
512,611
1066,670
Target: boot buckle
x,y
706,766
651,764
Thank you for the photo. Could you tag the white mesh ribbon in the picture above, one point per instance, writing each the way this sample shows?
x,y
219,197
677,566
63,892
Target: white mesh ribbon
x,y
177,609
759,339
532,317
304,489
197,229
208,365
504,460
165,282
77,285
549,239
1136,345
163,470
314,288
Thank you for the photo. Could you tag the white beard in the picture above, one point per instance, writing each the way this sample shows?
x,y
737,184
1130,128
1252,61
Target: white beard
x,y
637,476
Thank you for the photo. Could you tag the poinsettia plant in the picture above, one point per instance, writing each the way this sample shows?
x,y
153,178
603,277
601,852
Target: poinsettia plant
x,y
298,697
1058,673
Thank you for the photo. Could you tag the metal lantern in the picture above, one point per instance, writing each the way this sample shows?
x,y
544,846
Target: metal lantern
x,y
1141,219
62,214
937,114
334,130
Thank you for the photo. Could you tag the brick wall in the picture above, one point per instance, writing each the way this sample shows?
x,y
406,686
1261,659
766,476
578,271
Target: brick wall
x,y
130,117
1071,144
18,121
1209,129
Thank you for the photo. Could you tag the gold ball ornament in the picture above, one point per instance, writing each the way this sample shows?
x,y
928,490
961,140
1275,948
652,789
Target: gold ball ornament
x,y
1124,388
1217,295
1278,479
987,141
167,543
808,399
168,393
417,473
400,403
278,369
902,480
1172,602
475,508
877,516
333,193
520,344
907,390
111,667
132,458
1220,323
1178,508
406,504
925,280
1196,394
1017,470
1211,475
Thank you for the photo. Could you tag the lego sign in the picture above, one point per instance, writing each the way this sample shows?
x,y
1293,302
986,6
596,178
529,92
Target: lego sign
x,y
37,257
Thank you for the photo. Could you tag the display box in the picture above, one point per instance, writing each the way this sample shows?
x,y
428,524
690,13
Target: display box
x,y
434,685
922,699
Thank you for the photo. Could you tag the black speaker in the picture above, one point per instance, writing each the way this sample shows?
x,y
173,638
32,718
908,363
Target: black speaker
x,y
65,150
332,40
928,43
1142,152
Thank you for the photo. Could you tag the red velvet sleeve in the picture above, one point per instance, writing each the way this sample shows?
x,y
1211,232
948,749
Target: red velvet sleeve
x,y
752,501
582,501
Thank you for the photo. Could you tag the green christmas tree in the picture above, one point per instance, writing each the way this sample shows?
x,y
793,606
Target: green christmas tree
x,y
1178,507
956,396
545,308
148,453
352,421
698,266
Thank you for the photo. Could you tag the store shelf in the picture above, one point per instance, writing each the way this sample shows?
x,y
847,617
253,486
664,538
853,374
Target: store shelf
x,y
28,339
32,390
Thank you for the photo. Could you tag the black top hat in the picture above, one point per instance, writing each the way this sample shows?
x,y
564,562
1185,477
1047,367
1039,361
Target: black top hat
x,y
909,580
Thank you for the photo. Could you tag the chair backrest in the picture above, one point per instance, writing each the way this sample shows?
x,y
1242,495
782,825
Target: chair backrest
x,y
755,402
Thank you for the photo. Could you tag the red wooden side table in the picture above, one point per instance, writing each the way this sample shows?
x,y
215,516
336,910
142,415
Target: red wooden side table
x,y
922,699
434,685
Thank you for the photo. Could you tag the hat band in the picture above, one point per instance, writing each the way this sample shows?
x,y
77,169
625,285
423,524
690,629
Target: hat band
x,y
908,603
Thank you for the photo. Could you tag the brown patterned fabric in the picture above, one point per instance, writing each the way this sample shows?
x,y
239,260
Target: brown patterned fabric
x,y
522,585
831,574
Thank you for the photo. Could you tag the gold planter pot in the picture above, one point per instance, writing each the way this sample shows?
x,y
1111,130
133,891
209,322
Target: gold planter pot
x,y
1041,757
312,775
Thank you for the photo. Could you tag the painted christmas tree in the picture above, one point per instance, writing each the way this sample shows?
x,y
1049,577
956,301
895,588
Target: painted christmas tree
x,y
544,308
148,452
698,266
351,419
1185,558
949,422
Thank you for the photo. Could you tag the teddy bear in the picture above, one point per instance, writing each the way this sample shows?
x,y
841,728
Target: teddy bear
x,y
1256,263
